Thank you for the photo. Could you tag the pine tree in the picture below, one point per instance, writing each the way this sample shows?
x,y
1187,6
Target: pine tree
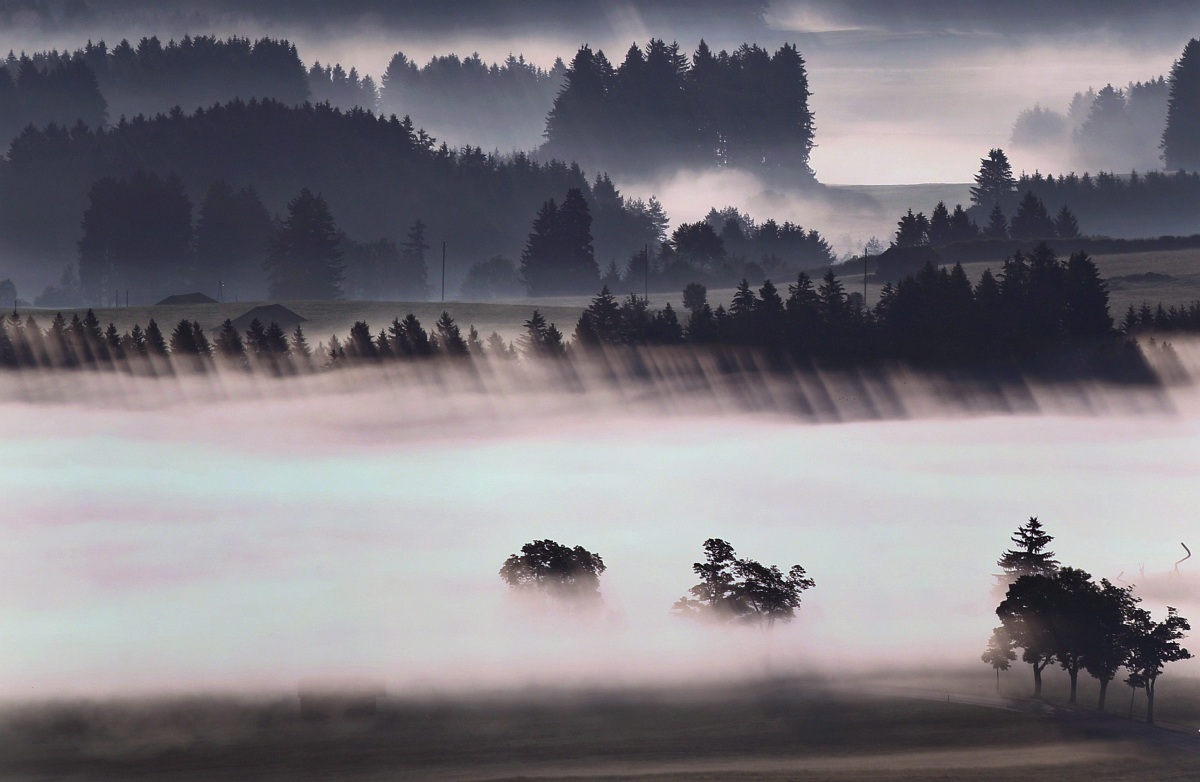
x,y
450,336
229,343
1181,138
1030,557
962,227
997,227
1086,299
941,229
1065,224
304,261
1032,221
600,323
155,340
995,181
912,230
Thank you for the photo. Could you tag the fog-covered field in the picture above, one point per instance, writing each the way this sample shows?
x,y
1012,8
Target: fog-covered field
x,y
203,534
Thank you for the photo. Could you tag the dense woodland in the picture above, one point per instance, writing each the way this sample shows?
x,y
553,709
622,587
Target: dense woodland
x,y
191,198
661,109
379,176
450,95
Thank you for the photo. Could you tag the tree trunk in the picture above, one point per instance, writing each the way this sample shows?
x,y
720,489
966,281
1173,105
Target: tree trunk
x,y
997,681
1074,674
1037,681
1150,702
1103,694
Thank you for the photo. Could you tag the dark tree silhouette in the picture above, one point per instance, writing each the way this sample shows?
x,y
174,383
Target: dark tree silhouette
x,y
541,339
999,653
233,233
1152,645
558,256
994,181
1109,636
304,261
1029,557
1065,224
733,589
568,575
1181,138
1032,221
912,230
1026,614
997,225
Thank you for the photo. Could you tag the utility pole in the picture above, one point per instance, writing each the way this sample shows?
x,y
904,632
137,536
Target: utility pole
x,y
865,289
443,272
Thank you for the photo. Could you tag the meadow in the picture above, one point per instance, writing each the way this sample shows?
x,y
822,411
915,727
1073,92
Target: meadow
x,y
775,729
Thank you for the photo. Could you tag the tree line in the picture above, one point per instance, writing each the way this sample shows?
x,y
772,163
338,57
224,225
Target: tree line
x,y
449,93
1058,614
659,108
1131,205
1039,314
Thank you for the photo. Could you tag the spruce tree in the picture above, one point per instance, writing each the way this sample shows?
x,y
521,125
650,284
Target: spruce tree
x,y
155,340
229,343
997,227
995,181
1030,557
1032,221
962,227
941,229
450,336
1065,224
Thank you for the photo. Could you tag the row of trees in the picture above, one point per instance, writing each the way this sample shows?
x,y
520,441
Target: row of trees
x,y
57,89
942,227
82,342
1059,614
1131,205
731,589
149,76
484,203
1038,304
1039,307
559,256
658,108
449,94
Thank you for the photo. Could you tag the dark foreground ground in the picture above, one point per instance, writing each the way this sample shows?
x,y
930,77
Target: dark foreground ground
x,y
781,730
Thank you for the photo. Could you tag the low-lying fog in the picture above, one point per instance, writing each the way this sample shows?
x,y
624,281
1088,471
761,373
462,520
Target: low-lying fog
x,y
269,539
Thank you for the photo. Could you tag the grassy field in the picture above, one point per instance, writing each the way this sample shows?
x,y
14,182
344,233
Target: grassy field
x,y
776,730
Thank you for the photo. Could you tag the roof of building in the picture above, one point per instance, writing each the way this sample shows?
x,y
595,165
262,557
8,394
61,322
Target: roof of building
x,y
267,314
186,298
896,263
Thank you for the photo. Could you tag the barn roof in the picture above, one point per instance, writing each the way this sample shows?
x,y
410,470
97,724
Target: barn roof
x,y
267,314
186,298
